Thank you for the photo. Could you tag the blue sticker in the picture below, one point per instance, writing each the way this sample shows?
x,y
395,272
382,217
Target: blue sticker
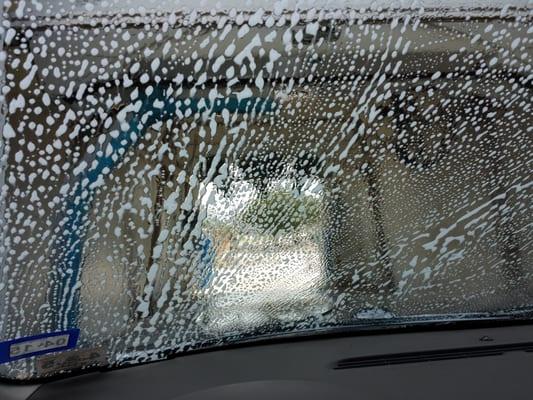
x,y
30,346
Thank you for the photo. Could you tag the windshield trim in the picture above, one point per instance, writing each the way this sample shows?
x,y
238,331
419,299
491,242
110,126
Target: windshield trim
x,y
181,18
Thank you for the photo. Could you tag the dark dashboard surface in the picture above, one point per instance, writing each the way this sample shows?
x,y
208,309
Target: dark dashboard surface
x,y
490,363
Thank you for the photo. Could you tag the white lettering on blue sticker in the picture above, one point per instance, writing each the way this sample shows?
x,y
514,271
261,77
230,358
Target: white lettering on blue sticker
x,y
30,346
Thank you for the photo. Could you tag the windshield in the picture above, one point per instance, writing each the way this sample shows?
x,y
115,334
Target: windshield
x,y
176,176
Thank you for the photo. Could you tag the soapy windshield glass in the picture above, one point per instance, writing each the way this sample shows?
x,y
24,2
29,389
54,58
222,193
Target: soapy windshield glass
x,y
174,178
